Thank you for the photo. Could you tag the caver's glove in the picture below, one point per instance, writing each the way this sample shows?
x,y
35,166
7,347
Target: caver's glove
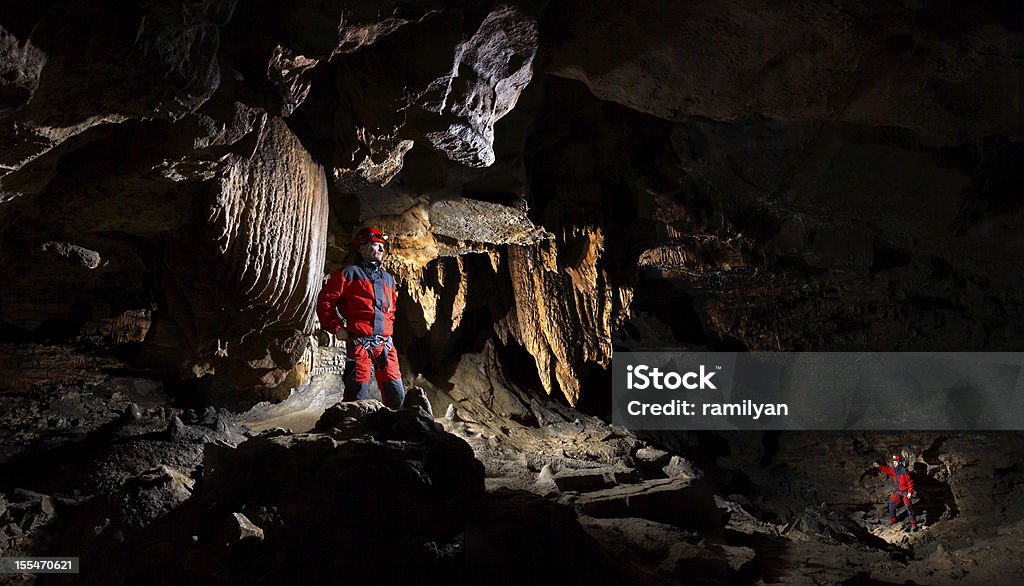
x,y
324,338
342,334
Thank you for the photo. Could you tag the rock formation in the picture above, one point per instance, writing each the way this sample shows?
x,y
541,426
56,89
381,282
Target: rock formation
x,y
739,185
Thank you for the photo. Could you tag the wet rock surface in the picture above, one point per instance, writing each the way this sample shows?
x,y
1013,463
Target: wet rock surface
x,y
306,403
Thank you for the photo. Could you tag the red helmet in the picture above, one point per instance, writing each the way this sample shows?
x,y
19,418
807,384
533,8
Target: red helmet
x,y
897,458
369,234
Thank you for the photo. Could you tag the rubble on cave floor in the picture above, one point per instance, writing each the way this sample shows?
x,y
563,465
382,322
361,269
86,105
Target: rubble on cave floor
x,y
161,494
53,393
135,474
122,470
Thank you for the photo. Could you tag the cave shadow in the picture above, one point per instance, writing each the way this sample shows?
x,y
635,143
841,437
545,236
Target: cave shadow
x,y
671,304
768,565
510,526
865,579
935,498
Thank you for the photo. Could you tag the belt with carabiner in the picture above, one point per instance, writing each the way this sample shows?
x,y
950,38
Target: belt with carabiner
x,y
371,342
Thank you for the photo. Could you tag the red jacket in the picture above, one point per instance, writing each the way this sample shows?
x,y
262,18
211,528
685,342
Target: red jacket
x,y
364,294
901,476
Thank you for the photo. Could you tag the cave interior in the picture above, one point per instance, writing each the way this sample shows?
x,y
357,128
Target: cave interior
x,y
560,181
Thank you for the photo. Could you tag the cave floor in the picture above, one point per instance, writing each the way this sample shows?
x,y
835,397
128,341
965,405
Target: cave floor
x,y
659,508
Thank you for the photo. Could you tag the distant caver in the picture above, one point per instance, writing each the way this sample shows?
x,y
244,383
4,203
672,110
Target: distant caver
x,y
904,489
357,304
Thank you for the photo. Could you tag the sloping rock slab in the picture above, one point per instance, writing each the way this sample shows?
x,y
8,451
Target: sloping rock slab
x,y
584,480
677,501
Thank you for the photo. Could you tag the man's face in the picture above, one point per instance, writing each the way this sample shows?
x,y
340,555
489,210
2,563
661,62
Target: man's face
x,y
372,251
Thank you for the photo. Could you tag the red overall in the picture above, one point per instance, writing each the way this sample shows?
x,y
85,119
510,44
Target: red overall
x,y
365,295
904,486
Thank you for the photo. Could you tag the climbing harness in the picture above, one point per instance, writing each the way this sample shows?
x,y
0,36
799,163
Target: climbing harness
x,y
369,343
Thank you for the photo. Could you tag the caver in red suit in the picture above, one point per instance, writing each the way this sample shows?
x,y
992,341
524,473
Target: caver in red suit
x,y
358,304
904,489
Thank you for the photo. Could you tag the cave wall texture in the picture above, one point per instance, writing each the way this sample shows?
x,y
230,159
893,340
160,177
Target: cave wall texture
x,y
568,178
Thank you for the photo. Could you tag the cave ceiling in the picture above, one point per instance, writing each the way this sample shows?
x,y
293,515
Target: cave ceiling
x,y
569,178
